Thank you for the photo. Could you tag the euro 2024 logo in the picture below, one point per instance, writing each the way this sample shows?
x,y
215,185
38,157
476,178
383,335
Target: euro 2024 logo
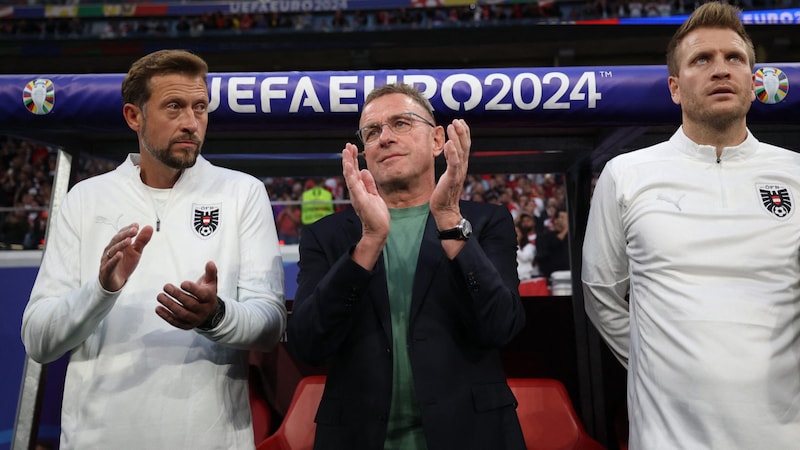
x,y
39,96
771,85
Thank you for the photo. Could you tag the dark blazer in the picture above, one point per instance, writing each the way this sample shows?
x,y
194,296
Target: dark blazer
x,y
462,312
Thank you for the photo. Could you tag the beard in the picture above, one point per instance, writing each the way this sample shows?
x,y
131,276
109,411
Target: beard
x,y
719,118
180,160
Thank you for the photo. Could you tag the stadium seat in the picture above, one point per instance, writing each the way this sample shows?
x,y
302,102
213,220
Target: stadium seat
x,y
547,417
536,287
296,432
262,414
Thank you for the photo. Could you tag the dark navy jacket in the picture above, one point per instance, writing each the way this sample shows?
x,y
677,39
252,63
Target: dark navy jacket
x,y
462,312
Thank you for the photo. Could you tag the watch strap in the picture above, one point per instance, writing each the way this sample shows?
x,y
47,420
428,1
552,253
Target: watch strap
x,y
215,318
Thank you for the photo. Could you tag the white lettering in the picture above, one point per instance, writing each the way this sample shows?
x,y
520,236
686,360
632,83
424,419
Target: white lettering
x,y
425,83
536,91
235,94
338,93
213,92
456,92
369,84
268,93
505,85
475,91
305,95
563,84
587,79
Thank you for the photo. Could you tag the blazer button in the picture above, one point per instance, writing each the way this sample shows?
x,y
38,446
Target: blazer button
x,y
472,282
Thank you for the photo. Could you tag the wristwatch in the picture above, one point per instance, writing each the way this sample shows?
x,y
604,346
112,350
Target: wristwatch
x,y
215,318
461,232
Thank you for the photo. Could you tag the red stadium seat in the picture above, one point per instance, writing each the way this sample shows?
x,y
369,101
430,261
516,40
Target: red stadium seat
x,y
547,417
262,414
536,287
296,432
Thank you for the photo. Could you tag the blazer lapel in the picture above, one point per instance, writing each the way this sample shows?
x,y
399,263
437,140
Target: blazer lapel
x,y
430,257
378,292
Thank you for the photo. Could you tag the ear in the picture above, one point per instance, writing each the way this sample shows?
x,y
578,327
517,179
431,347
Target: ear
x,y
753,89
133,116
674,91
438,140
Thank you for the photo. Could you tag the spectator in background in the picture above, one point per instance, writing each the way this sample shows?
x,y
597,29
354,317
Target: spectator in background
x,y
526,255
154,364
14,229
317,202
552,246
288,222
529,226
692,279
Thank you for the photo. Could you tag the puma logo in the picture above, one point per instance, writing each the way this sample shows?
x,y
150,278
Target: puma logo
x,y
675,201
106,221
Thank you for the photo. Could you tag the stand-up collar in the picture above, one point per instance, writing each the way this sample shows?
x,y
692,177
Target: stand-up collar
x,y
709,153
130,168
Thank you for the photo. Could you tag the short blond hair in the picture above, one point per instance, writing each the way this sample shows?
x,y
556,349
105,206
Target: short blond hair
x,y
710,15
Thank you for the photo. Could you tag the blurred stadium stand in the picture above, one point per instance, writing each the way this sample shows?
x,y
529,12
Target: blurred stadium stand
x,y
279,35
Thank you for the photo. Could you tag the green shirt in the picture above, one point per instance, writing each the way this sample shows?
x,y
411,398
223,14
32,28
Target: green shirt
x,y
400,257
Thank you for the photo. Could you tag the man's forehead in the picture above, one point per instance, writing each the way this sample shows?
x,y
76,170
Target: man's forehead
x,y
387,106
712,37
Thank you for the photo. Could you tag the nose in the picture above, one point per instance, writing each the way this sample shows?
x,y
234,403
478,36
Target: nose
x,y
189,121
720,69
384,136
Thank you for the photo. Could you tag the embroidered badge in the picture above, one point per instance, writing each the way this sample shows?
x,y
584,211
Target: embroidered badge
x,y
776,199
206,220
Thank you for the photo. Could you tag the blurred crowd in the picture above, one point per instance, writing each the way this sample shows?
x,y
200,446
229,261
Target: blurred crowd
x,y
543,11
27,171
26,176
533,200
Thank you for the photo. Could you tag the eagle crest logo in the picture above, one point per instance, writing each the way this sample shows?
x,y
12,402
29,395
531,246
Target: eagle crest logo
x,y
777,199
205,220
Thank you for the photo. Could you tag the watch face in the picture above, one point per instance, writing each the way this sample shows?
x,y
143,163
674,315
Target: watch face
x,y
466,228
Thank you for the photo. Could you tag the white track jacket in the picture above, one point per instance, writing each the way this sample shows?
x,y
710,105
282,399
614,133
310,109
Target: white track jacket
x,y
134,381
710,253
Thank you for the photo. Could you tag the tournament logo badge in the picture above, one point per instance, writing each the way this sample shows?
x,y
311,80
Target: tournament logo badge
x,y
776,198
205,220
771,85
39,96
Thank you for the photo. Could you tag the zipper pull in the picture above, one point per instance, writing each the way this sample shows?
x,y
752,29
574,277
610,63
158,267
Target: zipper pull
x,y
158,224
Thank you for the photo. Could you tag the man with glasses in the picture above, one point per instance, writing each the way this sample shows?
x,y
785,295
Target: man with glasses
x,y
408,295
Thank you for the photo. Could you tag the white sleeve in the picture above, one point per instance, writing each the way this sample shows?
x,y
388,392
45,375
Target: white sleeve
x,y
604,273
62,312
256,319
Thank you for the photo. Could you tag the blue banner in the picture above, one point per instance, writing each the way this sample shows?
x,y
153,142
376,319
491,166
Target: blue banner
x,y
280,101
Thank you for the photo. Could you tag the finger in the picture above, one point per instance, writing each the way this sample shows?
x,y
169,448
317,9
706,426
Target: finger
x,y
174,295
368,181
170,318
349,157
459,133
181,305
465,137
120,240
143,238
354,179
211,273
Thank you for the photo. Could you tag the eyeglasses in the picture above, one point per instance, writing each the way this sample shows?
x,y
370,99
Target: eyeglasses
x,y
399,124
